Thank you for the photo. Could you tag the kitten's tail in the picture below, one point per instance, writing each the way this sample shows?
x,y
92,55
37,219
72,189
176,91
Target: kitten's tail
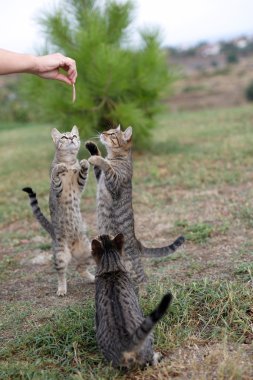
x,y
163,251
38,213
149,322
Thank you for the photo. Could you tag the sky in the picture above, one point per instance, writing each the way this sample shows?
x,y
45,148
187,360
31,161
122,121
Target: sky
x,y
182,22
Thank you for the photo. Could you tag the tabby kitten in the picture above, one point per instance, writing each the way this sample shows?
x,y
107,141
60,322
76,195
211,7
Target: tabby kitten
x,y
123,334
67,228
114,198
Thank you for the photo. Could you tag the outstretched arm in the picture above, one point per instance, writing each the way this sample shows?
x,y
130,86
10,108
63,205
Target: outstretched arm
x,y
46,66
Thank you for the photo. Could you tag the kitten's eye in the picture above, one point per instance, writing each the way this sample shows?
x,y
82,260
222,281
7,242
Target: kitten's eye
x,y
74,136
64,137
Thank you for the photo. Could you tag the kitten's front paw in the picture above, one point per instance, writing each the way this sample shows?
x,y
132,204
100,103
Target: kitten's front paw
x,y
94,160
61,169
84,164
92,148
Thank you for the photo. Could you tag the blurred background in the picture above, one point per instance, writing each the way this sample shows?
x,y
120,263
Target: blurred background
x,y
133,58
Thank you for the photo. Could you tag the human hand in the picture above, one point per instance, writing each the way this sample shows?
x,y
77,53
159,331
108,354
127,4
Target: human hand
x,y
48,67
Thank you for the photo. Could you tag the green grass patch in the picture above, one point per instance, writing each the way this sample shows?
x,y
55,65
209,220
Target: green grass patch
x,y
189,150
245,271
7,266
198,232
201,232
66,345
245,215
204,148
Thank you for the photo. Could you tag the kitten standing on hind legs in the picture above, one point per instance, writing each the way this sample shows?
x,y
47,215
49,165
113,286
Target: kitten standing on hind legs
x,y
67,229
114,199
123,334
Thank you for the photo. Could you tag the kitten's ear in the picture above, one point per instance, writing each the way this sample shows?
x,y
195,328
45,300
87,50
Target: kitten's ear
x,y
118,128
74,130
96,250
119,241
128,134
55,135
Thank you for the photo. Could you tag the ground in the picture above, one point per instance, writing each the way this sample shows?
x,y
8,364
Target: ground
x,y
196,180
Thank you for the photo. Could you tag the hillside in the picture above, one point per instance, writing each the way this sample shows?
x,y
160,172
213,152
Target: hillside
x,y
207,82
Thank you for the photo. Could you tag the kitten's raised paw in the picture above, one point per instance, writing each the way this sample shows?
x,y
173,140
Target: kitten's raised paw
x,y
94,160
61,168
84,164
92,148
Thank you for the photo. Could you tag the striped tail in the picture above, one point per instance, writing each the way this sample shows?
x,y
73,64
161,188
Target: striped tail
x,y
38,213
163,251
148,324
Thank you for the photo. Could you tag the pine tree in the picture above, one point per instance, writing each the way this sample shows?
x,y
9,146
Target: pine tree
x,y
117,83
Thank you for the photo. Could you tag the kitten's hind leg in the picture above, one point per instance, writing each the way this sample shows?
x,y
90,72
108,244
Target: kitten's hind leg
x,y
89,277
61,259
82,253
138,276
134,266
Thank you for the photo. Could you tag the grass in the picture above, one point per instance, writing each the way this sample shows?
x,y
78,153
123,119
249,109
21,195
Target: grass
x,y
207,311
198,232
195,180
245,214
7,265
203,148
190,150
245,270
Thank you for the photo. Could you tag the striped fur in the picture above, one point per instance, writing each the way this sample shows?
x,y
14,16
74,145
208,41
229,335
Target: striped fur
x,y
123,335
67,228
163,251
141,333
114,198
38,213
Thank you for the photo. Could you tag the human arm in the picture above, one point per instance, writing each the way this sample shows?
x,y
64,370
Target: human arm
x,y
46,66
